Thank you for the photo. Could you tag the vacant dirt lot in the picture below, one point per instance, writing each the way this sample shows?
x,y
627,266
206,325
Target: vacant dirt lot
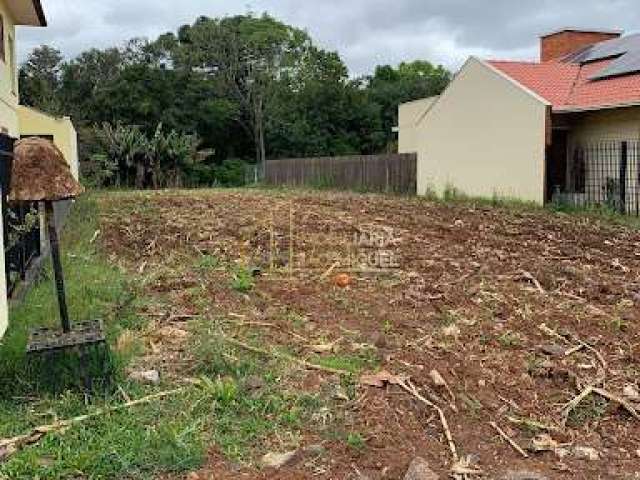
x,y
460,289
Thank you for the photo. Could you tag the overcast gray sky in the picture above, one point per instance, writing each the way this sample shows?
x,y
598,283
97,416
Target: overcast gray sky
x,y
365,32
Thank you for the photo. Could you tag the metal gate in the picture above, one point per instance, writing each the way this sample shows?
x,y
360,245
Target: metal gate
x,y
603,174
21,225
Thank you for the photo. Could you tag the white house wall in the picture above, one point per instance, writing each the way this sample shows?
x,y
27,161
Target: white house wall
x,y
485,136
409,115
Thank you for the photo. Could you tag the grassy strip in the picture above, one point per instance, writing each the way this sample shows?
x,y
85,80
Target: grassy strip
x,y
168,436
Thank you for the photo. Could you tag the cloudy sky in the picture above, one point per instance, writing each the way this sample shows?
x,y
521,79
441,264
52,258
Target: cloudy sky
x,y
365,32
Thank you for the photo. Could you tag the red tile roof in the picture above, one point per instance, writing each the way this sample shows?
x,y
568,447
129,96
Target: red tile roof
x,y
568,86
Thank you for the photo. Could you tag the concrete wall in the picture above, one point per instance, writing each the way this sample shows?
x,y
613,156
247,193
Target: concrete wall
x,y
36,123
409,116
485,136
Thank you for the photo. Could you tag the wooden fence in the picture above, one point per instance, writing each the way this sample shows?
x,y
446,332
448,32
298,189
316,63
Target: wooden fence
x,y
371,173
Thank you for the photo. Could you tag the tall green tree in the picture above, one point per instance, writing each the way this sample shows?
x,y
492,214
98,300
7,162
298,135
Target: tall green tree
x,y
246,56
390,86
247,87
40,79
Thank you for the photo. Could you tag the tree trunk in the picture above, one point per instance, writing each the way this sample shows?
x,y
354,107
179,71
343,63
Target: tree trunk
x,y
261,155
140,174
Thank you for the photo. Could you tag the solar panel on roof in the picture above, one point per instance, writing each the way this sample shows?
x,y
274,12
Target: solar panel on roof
x,y
608,49
627,63
627,49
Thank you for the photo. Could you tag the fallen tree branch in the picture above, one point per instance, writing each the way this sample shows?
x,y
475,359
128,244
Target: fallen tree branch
x,y
568,408
528,276
408,387
508,439
9,446
533,424
273,326
330,270
549,331
283,356
574,402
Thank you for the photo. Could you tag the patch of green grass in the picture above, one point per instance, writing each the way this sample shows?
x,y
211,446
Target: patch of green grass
x,y
387,326
534,364
262,410
447,318
452,195
95,289
510,340
169,435
471,404
208,262
618,324
296,319
135,442
155,437
350,363
242,280
356,441
590,409
597,213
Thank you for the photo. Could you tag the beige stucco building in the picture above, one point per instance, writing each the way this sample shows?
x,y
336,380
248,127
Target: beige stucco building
x,y
60,130
564,128
17,121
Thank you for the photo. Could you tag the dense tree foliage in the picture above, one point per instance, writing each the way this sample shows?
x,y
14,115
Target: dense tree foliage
x,y
191,107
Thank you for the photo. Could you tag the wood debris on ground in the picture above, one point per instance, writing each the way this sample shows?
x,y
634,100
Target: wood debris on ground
x,y
514,318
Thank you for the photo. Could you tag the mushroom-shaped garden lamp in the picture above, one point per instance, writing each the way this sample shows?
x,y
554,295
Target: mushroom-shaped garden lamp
x,y
40,174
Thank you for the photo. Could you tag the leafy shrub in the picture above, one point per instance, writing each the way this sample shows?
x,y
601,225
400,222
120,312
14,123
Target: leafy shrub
x,y
231,173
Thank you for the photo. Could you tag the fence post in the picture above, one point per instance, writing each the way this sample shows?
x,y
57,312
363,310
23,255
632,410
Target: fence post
x,y
386,171
623,177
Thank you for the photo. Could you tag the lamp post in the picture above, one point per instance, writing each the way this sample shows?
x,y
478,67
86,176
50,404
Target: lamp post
x,y
40,174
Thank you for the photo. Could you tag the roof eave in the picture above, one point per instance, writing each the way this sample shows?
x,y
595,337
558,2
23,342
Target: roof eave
x,y
27,13
513,81
37,4
594,108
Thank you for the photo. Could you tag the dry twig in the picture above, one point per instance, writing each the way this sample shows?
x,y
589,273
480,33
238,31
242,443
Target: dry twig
x,y
533,424
528,276
614,398
271,325
283,356
574,402
330,270
408,387
508,439
552,333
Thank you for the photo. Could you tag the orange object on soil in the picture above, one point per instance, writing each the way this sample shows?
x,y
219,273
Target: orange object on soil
x,y
342,280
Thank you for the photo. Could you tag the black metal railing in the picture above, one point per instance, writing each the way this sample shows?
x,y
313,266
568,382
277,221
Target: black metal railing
x,y
21,224
22,246
603,174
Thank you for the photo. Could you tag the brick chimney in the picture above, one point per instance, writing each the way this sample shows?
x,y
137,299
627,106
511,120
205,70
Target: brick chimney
x,y
562,42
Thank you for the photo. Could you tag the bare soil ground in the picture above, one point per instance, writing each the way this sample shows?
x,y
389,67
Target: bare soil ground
x,y
458,288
